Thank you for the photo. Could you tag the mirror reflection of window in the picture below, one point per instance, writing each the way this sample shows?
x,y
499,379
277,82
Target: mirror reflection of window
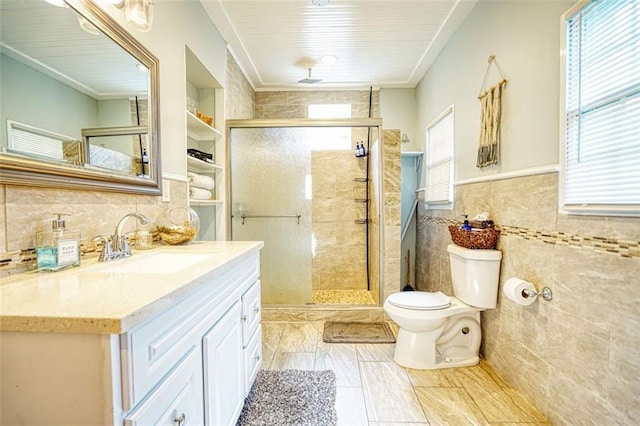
x,y
40,143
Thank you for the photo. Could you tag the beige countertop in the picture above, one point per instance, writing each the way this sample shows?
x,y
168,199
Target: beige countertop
x,y
112,297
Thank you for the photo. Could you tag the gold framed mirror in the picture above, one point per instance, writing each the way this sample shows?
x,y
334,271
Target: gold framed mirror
x,y
80,100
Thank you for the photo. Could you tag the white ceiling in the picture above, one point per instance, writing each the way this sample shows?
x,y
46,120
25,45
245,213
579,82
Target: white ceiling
x,y
381,43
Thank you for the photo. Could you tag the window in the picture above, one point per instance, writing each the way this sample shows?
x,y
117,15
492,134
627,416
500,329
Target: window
x,y
330,138
439,161
601,107
35,142
329,111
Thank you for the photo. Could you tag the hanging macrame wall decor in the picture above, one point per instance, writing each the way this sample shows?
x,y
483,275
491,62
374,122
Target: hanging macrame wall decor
x,y
490,116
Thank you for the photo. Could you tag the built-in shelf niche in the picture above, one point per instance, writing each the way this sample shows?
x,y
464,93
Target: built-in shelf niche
x,y
207,96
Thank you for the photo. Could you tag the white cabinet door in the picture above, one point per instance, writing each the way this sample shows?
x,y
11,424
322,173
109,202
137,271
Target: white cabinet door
x,y
178,399
224,369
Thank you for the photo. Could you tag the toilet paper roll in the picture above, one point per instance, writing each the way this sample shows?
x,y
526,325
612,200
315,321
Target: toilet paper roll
x,y
513,290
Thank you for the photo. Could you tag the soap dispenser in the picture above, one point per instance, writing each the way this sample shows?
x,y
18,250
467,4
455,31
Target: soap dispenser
x,y
58,247
465,226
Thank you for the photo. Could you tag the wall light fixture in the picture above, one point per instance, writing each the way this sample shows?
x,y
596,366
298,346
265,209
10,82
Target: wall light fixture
x,y
139,13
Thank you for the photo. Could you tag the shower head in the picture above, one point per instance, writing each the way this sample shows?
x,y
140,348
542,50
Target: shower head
x,y
310,80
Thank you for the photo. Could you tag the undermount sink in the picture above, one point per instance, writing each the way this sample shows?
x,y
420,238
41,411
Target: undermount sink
x,y
156,263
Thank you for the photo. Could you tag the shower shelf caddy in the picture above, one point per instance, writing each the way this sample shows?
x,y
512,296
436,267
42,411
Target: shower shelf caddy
x,y
361,200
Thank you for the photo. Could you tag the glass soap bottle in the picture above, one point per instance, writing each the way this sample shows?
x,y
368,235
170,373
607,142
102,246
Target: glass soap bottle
x,y
57,248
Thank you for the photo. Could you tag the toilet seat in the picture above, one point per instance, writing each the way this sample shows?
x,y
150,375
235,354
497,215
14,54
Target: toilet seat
x,y
420,300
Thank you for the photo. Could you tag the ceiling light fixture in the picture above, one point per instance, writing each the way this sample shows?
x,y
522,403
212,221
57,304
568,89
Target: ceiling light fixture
x,y
329,59
320,3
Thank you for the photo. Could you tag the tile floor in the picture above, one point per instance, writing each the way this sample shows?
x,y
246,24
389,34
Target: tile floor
x,y
373,390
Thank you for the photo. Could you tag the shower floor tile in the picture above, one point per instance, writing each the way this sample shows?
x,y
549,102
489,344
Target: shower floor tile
x,y
342,297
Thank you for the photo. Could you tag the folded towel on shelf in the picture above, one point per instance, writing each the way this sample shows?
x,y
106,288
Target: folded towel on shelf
x,y
200,194
201,181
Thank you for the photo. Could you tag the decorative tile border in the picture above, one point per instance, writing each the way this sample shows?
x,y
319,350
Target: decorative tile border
x,y
19,261
622,248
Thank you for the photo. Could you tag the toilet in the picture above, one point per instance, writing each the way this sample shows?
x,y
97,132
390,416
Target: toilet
x,y
441,331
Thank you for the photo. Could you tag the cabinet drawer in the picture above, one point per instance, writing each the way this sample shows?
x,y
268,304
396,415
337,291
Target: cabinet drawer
x,y
178,399
250,312
252,359
151,350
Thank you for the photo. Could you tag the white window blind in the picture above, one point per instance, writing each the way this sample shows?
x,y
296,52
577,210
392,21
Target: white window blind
x,y
602,109
35,142
439,160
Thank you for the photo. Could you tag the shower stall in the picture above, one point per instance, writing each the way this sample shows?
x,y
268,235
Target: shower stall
x,y
298,186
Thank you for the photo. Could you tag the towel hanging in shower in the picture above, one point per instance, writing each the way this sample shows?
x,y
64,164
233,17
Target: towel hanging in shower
x,y
490,117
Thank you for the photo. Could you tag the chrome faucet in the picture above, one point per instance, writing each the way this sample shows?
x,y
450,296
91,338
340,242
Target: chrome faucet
x,y
120,243
118,247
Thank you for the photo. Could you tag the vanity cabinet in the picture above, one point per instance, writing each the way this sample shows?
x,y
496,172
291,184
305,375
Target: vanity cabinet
x,y
204,94
191,362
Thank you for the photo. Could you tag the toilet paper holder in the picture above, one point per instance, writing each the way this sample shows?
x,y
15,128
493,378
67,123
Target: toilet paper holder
x,y
545,293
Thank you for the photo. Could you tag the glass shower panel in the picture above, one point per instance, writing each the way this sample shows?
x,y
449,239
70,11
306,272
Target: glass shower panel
x,y
304,193
270,187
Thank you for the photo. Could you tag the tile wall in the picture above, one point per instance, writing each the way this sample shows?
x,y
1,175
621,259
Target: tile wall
x,y
391,212
239,95
577,358
339,262
290,104
28,210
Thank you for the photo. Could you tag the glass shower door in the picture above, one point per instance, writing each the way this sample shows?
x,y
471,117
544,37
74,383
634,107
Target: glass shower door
x,y
314,203
271,202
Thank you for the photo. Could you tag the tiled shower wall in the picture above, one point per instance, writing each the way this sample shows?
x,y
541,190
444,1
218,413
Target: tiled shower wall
x,y
577,358
339,261
391,212
341,242
290,104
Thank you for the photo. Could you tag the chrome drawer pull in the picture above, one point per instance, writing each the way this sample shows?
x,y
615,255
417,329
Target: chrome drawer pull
x,y
257,357
244,318
256,309
180,420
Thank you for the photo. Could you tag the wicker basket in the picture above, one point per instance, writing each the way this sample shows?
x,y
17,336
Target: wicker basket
x,y
476,238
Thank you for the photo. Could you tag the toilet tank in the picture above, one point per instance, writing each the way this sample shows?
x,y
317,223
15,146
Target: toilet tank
x,y
475,275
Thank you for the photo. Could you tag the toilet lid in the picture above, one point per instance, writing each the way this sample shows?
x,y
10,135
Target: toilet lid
x,y
420,300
